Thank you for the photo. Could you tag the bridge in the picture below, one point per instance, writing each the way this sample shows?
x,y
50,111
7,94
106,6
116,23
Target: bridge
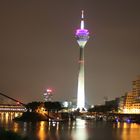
x,y
9,104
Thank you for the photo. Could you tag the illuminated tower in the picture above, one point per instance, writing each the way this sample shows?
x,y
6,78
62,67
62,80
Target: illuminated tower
x,y
82,36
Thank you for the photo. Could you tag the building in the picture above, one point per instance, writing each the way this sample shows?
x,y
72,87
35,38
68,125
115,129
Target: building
x,y
131,100
128,102
136,86
82,36
48,94
121,104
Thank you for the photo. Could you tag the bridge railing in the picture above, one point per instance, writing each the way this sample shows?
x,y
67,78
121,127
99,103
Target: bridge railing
x,y
12,108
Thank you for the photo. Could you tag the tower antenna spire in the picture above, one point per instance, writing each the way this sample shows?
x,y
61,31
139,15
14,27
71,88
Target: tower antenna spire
x,y
82,20
82,14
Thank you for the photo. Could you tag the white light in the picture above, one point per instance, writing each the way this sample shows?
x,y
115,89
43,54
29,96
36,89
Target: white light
x,y
82,21
82,24
81,89
65,104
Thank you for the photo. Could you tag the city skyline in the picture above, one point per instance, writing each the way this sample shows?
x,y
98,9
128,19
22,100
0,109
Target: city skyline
x,y
38,49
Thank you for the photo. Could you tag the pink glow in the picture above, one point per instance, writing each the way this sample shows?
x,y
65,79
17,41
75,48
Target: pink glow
x,y
49,90
82,32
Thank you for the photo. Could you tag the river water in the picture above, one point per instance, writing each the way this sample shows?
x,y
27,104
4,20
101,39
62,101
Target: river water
x,y
76,130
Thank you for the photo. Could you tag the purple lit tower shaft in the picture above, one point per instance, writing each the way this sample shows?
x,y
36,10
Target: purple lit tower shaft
x,y
82,36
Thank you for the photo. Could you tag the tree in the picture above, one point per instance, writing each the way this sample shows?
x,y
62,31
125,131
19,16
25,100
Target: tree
x,y
101,108
33,106
52,106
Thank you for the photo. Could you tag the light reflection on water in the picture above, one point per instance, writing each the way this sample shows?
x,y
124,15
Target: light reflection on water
x,y
42,133
129,131
80,130
76,130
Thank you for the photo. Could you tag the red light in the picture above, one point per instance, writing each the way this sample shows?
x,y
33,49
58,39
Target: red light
x,y
18,103
49,90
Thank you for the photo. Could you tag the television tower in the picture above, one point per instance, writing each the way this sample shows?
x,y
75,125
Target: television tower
x,y
82,36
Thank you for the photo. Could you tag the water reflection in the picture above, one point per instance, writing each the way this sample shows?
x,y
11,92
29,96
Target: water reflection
x,y
129,131
42,133
16,127
76,130
79,130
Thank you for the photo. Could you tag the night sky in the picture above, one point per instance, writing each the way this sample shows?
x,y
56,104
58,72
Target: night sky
x,y
38,48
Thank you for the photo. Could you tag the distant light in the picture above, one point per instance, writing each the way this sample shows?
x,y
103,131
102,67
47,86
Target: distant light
x,y
65,103
49,90
18,103
128,120
117,120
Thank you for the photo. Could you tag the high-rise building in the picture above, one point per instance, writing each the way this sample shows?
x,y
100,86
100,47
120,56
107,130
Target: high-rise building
x,y
131,100
136,86
82,36
48,94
